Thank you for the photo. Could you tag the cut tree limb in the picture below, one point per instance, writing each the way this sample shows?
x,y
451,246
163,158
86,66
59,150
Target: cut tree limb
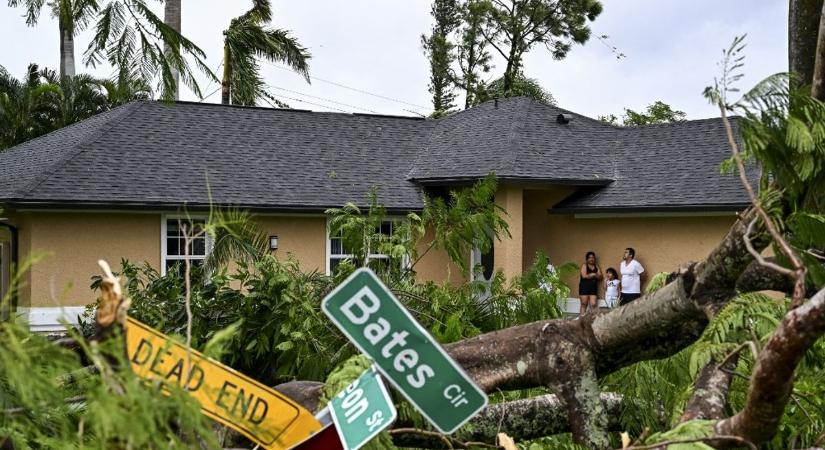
x,y
710,391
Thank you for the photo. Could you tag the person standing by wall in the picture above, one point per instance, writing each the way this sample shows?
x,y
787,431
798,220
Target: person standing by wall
x,y
589,283
631,277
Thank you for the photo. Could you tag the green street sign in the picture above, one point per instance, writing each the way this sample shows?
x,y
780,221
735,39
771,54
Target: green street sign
x,y
376,322
362,410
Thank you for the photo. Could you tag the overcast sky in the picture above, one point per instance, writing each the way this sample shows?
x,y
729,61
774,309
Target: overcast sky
x,y
672,49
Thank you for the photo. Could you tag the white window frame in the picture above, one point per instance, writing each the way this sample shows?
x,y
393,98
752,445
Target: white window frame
x,y
329,256
163,246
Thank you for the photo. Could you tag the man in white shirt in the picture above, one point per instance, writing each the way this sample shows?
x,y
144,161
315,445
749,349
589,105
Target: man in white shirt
x,y
631,272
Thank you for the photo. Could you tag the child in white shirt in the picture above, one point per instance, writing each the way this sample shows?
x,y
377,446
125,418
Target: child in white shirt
x,y
612,287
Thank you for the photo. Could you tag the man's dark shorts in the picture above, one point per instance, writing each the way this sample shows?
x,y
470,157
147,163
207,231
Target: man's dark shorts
x,y
627,298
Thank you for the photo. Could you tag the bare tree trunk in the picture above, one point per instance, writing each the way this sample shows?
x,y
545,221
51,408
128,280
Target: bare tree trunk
x,y
171,16
803,29
818,83
66,51
227,74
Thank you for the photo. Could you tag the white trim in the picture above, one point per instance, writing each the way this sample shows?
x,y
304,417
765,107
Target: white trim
x,y
163,229
48,319
663,214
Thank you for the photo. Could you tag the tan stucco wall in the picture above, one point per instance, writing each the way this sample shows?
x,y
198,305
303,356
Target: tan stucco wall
x,y
303,237
661,243
73,243
509,252
435,265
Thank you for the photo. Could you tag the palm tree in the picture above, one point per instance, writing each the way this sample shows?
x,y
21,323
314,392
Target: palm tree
x,y
172,18
128,34
246,39
25,106
72,16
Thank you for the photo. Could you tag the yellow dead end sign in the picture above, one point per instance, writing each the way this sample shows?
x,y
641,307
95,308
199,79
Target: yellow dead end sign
x,y
227,396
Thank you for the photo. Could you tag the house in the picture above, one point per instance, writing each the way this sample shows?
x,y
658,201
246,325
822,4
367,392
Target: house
x,y
114,185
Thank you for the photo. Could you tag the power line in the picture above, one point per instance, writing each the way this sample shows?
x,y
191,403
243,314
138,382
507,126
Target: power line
x,y
384,97
303,101
323,99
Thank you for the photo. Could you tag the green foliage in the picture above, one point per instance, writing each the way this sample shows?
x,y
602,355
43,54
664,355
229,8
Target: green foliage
x,y
247,39
656,112
472,54
657,282
131,37
281,333
440,52
42,102
467,219
516,26
694,429
521,86
48,400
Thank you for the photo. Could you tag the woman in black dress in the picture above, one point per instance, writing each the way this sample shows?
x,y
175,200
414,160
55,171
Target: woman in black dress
x,y
589,283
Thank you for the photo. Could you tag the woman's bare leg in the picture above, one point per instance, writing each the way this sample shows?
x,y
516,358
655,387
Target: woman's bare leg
x,y
594,302
584,303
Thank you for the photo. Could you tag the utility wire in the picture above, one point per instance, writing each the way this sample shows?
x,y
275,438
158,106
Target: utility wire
x,y
302,101
384,97
323,99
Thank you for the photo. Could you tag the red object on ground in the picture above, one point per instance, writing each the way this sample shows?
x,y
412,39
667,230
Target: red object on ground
x,y
326,439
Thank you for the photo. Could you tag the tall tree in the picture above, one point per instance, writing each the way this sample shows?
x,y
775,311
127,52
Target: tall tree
x,y
440,51
518,25
172,18
133,39
247,39
471,53
803,29
72,16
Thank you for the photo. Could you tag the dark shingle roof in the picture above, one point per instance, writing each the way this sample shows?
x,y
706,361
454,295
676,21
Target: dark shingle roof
x,y
518,139
157,155
160,154
665,167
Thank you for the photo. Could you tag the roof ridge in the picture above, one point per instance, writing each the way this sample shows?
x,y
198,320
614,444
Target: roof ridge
x,y
77,148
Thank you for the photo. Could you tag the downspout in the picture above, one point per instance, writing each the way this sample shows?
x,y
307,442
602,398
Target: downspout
x,y
5,312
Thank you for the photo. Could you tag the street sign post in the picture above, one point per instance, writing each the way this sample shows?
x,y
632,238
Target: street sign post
x,y
260,413
362,410
379,325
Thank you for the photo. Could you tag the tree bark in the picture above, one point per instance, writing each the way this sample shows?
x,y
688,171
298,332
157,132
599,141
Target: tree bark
x,y
66,50
818,82
773,376
710,391
226,97
803,30
172,18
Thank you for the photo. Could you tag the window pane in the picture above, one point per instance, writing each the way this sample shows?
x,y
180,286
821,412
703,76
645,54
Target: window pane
x,y
386,228
172,227
333,263
172,247
198,247
335,247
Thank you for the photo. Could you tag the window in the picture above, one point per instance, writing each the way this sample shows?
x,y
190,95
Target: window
x,y
339,252
173,244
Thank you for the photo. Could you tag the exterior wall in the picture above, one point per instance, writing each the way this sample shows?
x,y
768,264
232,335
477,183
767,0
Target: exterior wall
x,y
302,237
509,252
661,243
436,266
73,243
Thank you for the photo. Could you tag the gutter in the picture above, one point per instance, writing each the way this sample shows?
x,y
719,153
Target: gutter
x,y
6,310
695,208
